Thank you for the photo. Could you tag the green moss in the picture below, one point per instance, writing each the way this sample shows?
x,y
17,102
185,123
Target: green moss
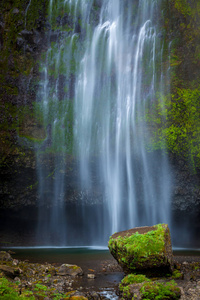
x,y
11,291
183,7
134,278
160,291
130,279
175,120
177,275
140,246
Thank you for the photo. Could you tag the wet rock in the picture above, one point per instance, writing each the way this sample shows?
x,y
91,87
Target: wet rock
x,y
9,271
55,35
5,256
15,11
94,295
75,295
91,276
17,279
72,270
20,42
15,262
144,250
27,35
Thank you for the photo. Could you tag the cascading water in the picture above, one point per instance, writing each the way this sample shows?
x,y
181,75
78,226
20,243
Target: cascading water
x,y
101,73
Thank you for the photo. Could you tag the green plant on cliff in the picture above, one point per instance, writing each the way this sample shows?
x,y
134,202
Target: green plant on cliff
x,y
183,7
173,118
16,68
176,122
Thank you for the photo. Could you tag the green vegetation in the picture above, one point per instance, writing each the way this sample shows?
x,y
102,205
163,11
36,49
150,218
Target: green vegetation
x,y
177,275
149,290
160,291
133,278
139,250
176,119
11,291
16,72
173,119
124,287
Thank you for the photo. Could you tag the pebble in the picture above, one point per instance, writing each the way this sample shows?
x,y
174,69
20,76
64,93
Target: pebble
x,y
91,276
15,262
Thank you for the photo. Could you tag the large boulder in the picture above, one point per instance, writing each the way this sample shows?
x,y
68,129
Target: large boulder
x,y
145,250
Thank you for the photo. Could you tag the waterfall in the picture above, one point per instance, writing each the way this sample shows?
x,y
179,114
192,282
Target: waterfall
x,y
101,72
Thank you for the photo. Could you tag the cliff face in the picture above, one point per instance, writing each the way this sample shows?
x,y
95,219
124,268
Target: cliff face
x,y
24,29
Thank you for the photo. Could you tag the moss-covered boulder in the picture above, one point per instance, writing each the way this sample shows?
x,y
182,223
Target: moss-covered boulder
x,y
145,250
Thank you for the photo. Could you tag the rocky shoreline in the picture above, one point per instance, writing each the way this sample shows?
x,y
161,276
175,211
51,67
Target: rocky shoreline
x,y
46,281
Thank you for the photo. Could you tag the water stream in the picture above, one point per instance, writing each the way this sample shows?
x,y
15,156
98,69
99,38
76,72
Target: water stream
x,y
102,72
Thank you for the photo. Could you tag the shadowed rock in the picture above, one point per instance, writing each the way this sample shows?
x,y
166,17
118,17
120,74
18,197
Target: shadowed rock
x,y
9,271
144,250
5,256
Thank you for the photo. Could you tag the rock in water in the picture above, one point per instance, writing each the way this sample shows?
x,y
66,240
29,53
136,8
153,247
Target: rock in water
x,y
71,270
144,250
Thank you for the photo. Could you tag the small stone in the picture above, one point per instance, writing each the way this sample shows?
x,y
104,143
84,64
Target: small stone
x,y
15,262
91,276
15,11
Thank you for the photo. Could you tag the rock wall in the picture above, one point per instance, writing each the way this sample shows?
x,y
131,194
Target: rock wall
x,y
24,28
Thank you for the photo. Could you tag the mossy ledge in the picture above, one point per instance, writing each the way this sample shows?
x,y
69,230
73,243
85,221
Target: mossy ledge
x,y
145,250
140,287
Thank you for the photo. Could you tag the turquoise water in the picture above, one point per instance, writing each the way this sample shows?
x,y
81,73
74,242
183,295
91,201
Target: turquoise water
x,y
83,256
78,255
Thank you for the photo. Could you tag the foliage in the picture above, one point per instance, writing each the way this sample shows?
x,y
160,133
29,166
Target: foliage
x,y
133,278
174,117
176,122
149,290
10,291
177,275
160,291
142,245
130,279
183,7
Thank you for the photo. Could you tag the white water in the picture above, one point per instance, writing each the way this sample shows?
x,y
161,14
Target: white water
x,y
111,95
26,11
117,75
